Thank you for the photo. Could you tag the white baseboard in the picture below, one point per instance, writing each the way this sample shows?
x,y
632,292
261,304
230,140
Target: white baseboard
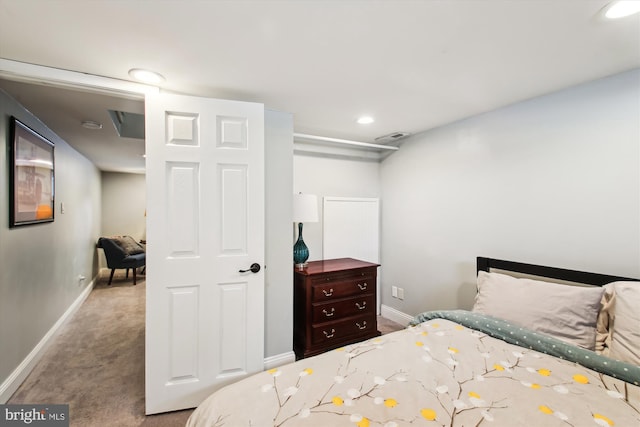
x,y
395,315
279,360
13,381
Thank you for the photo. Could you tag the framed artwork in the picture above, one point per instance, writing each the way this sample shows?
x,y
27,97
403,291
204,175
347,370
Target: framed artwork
x,y
32,192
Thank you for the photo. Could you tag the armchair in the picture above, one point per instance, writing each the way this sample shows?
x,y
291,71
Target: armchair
x,y
122,252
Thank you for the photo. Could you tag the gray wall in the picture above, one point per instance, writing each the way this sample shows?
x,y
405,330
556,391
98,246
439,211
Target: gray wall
x,y
40,264
554,181
278,251
124,204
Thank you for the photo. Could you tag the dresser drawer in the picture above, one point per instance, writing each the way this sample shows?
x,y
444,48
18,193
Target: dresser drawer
x,y
334,331
334,310
325,289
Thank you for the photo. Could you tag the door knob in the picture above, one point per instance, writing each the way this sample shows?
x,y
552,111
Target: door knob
x,y
255,267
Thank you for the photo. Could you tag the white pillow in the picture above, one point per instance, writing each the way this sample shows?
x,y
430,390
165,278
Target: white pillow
x,y
624,322
565,312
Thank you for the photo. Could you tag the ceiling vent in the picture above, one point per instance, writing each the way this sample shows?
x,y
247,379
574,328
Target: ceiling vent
x,y
395,136
128,125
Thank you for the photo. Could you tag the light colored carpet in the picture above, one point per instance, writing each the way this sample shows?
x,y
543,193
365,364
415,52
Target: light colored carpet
x,y
96,362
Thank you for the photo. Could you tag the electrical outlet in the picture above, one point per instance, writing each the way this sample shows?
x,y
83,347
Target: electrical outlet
x,y
400,293
394,291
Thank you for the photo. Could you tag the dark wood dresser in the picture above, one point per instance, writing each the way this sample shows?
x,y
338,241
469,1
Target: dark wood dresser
x,y
334,305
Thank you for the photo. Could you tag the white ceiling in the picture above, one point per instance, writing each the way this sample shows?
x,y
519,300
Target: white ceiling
x,y
413,65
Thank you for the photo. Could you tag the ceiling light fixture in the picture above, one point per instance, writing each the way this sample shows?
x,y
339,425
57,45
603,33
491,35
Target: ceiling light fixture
x,y
146,76
365,120
621,9
91,124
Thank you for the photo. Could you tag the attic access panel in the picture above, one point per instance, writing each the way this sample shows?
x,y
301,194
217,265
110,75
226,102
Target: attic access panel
x,y
128,125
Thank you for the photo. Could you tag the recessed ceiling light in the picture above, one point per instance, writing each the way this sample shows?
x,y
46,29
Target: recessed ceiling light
x,y
146,76
91,124
622,9
365,120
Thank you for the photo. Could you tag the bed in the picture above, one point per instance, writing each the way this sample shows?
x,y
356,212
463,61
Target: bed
x,y
530,353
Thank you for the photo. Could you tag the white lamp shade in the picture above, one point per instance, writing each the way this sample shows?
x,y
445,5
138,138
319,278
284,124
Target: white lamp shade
x,y
305,208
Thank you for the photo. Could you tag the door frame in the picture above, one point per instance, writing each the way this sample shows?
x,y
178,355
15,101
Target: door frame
x,y
41,75
38,74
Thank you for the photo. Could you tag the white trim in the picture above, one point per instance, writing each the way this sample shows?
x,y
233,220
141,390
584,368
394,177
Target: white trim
x,y
13,381
22,71
395,315
279,360
313,149
344,142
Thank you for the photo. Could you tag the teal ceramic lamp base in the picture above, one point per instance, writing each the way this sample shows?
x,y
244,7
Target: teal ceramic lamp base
x,y
300,250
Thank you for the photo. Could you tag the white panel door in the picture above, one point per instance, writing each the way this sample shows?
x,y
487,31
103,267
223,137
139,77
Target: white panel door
x,y
205,223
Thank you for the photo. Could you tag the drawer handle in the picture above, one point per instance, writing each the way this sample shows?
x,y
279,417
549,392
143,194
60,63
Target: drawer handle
x,y
329,334
364,325
362,286
329,313
363,306
328,294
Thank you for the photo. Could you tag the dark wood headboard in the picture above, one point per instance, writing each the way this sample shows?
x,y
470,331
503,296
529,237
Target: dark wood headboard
x,y
485,264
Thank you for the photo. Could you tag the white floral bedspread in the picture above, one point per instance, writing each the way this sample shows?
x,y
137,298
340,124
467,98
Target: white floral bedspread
x,y
438,373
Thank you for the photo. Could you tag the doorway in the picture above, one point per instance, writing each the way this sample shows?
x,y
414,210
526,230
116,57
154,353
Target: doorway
x,y
279,183
46,294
